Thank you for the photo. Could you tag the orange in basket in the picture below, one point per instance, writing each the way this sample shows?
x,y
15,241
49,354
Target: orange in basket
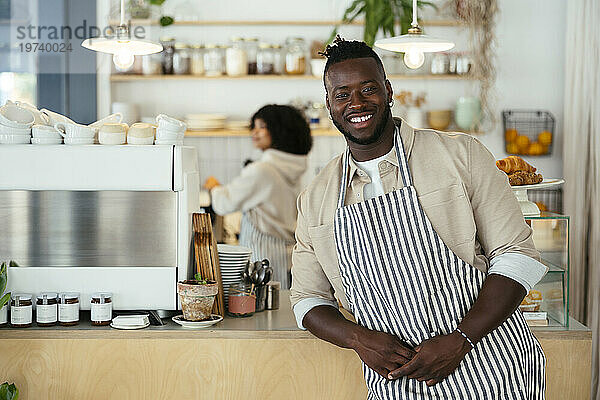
x,y
511,135
545,138
523,143
537,149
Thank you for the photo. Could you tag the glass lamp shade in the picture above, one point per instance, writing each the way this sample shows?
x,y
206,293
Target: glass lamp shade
x,y
414,42
121,46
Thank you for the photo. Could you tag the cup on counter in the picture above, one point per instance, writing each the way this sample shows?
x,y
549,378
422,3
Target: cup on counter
x,y
115,118
141,133
112,133
44,134
53,117
75,133
165,122
14,116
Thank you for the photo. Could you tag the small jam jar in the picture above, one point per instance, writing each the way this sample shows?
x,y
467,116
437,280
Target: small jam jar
x,y
46,309
21,310
68,309
241,302
101,308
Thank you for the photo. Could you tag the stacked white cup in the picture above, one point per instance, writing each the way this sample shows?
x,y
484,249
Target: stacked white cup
x,y
44,134
15,124
76,133
169,130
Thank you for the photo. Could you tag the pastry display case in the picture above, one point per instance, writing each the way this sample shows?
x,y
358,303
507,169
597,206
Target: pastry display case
x,y
548,302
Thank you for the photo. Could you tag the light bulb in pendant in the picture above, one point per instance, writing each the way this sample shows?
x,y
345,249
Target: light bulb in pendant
x,y
414,58
123,60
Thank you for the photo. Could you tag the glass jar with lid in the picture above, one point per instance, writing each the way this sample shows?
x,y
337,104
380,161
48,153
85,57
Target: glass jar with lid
x,y
214,60
440,64
21,310
197,60
251,53
242,301
167,54
265,60
295,56
236,60
181,59
46,309
68,309
278,59
152,64
101,308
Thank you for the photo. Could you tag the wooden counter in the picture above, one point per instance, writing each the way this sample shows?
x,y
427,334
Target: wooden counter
x,y
262,357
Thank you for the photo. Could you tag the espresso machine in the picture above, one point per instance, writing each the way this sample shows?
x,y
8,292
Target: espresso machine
x,y
99,218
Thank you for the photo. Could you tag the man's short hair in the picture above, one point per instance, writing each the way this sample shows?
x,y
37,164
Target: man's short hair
x,y
342,50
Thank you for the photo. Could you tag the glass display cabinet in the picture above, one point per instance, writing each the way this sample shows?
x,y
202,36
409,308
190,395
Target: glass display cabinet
x,y
551,238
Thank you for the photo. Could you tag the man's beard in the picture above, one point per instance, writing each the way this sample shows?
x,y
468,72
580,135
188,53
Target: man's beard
x,y
379,128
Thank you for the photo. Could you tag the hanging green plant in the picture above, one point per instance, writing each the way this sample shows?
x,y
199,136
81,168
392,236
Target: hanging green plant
x,y
380,15
165,20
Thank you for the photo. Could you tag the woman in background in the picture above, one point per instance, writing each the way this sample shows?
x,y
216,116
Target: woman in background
x,y
267,189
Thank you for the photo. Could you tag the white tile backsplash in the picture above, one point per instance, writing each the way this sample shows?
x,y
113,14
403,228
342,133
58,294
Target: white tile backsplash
x,y
223,157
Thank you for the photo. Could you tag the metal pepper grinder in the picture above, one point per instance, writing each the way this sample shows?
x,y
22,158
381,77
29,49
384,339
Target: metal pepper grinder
x,y
273,289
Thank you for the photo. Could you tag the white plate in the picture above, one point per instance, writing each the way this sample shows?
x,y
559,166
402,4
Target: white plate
x,y
44,140
7,130
129,327
78,140
197,324
547,182
15,139
233,250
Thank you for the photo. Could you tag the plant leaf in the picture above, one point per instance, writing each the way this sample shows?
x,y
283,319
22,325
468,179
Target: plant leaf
x,y
3,278
3,300
8,392
13,264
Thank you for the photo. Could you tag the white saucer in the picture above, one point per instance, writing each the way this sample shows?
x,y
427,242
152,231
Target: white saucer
x,y
547,182
129,327
197,324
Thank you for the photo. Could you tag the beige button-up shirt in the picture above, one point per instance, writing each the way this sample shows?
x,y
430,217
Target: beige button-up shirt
x,y
467,199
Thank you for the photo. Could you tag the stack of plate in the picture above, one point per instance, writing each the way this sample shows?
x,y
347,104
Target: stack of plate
x,y
232,260
205,122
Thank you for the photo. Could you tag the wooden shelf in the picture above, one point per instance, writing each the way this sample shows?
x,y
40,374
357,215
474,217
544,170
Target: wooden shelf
x,y
134,78
149,22
246,133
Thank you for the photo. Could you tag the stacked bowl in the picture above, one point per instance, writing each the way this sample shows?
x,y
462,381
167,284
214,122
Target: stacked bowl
x,y
232,260
169,130
44,134
15,124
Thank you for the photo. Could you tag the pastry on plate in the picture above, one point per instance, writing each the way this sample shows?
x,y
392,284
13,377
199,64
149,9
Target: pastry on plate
x,y
519,171
519,178
513,164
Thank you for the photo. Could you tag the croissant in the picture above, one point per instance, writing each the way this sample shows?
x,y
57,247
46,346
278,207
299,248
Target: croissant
x,y
519,178
514,163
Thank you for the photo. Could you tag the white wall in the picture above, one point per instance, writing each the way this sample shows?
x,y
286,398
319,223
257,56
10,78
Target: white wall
x,y
530,66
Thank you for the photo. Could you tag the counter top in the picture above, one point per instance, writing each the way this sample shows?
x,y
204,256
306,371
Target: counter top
x,y
270,324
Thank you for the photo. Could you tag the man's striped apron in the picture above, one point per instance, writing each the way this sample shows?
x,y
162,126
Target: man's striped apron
x,y
400,278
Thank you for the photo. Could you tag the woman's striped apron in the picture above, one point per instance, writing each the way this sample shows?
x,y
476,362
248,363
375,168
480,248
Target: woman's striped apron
x,y
400,278
276,250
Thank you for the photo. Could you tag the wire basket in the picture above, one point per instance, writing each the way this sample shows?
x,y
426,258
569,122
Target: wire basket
x,y
529,133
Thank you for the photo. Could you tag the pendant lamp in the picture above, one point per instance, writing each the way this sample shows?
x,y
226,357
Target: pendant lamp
x,y
121,45
414,43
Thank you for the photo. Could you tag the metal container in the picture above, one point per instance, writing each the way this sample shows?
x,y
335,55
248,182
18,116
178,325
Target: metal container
x,y
261,297
272,301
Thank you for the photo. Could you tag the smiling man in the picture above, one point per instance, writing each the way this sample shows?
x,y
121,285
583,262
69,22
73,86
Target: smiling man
x,y
418,234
